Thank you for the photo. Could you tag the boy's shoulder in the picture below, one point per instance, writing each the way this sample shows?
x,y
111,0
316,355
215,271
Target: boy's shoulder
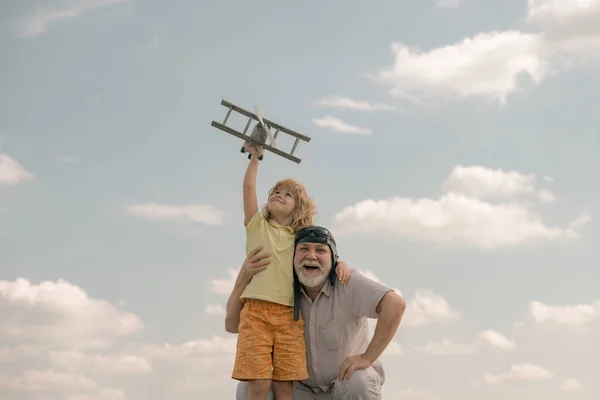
x,y
257,219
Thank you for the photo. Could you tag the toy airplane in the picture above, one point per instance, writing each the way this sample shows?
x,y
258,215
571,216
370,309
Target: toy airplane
x,y
260,133
259,136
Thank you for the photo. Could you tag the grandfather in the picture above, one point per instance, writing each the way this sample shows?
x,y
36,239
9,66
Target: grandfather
x,y
342,362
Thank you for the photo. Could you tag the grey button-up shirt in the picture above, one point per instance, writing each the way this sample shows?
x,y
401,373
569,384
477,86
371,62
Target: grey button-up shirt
x,y
335,327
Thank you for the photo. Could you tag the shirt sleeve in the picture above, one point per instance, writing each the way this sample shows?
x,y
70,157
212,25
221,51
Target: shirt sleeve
x,y
363,294
254,222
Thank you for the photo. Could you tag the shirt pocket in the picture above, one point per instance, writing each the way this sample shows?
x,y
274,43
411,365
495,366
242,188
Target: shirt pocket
x,y
334,335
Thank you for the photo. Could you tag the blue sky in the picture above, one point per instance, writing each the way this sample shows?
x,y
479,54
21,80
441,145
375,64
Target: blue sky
x,y
453,150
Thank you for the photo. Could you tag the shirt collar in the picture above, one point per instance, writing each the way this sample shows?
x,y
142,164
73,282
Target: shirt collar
x,y
326,289
278,226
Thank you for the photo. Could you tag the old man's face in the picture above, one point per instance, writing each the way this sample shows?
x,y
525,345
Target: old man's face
x,y
312,263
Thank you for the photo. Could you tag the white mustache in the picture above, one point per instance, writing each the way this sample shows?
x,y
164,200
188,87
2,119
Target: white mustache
x,y
309,263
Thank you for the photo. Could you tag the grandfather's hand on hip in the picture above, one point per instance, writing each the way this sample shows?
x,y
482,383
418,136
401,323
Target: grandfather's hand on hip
x,y
351,364
255,262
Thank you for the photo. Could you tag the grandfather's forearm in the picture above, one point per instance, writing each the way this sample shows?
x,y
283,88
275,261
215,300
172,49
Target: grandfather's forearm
x,y
392,309
234,308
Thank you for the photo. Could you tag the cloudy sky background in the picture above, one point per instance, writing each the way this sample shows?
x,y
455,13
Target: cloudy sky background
x,y
454,154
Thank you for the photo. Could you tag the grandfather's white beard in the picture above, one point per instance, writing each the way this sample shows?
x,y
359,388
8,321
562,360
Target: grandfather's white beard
x,y
312,279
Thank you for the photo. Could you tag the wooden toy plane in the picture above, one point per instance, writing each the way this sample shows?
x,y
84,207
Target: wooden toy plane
x,y
261,131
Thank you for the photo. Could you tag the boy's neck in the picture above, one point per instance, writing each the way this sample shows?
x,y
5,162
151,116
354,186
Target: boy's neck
x,y
281,220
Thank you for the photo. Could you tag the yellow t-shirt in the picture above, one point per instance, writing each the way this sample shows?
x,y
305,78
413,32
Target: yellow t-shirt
x,y
276,283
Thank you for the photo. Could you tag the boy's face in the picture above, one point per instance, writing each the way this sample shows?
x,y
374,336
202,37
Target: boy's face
x,y
281,202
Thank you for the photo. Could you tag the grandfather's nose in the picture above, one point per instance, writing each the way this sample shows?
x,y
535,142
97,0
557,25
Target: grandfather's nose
x,y
312,254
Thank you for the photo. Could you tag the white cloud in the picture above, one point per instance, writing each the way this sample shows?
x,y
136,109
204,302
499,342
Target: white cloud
x,y
546,196
199,348
570,29
447,3
494,64
343,103
36,21
224,287
567,315
571,385
49,381
560,13
393,349
371,275
486,65
31,369
45,380
9,354
214,309
56,341
497,340
334,124
415,394
574,228
101,364
521,372
488,183
481,182
60,315
457,218
572,34
202,213
102,394
453,219
11,172
427,307
445,347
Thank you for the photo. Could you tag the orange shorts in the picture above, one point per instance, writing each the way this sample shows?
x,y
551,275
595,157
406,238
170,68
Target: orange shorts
x,y
270,343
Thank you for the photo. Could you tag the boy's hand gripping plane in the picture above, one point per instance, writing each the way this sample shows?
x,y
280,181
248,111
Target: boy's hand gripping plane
x,y
260,133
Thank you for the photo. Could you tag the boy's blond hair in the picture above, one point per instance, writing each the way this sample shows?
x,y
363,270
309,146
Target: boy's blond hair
x,y
304,209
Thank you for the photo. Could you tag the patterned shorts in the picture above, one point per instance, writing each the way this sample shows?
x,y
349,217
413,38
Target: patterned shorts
x,y
270,343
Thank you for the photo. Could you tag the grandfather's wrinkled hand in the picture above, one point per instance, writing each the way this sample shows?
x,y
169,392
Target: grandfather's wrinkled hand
x,y
255,262
351,364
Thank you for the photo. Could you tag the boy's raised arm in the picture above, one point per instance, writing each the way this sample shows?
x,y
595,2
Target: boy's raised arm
x,y
249,189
